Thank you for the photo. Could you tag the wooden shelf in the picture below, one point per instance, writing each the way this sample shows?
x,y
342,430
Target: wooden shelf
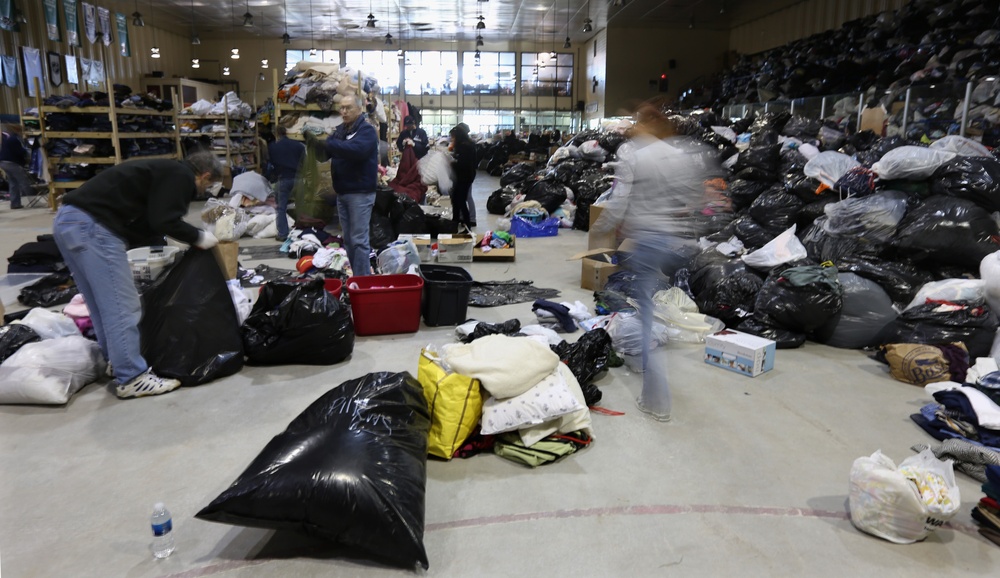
x,y
77,134
203,133
146,135
66,184
78,110
290,106
125,111
221,117
142,157
83,160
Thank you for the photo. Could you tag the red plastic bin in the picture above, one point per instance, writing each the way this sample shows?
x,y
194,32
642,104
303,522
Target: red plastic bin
x,y
384,304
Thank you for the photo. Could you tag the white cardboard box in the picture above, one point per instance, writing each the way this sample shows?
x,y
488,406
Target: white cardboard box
x,y
740,352
449,248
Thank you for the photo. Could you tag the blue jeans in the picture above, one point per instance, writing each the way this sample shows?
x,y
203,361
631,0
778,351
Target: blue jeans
x,y
96,258
285,187
17,182
656,255
355,212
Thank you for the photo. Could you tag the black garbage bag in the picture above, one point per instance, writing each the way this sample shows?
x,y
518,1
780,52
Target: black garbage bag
x,y
723,148
782,338
586,190
764,158
584,136
900,280
933,324
53,289
298,323
482,329
412,221
587,358
867,309
743,193
189,329
805,187
494,293
801,127
517,174
753,234
771,121
437,225
549,193
709,267
12,337
351,468
822,246
380,231
728,294
499,200
610,141
948,230
776,209
801,299
976,179
810,212
877,150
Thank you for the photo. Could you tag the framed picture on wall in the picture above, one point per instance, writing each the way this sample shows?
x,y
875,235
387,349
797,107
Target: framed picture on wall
x,y
54,60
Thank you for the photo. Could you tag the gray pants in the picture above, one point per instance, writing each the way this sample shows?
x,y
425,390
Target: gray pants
x,y
17,181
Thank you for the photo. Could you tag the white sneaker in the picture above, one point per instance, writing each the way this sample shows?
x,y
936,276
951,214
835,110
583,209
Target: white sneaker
x,y
146,383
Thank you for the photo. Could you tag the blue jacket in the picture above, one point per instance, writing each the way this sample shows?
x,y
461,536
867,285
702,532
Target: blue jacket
x,y
286,156
353,152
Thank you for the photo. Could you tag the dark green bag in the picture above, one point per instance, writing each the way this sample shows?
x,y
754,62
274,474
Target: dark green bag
x,y
551,449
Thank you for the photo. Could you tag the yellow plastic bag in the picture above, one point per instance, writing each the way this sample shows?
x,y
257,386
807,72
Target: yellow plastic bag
x,y
455,403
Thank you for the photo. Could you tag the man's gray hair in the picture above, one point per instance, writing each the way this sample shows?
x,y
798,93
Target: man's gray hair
x,y
205,162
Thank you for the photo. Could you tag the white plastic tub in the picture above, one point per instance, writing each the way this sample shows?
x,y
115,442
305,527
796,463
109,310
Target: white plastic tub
x,y
148,262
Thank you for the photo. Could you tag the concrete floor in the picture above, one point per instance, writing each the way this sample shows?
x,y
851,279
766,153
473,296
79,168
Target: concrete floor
x,y
750,477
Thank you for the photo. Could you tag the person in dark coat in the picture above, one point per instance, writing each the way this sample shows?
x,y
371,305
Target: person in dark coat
x,y
286,158
413,135
122,207
464,151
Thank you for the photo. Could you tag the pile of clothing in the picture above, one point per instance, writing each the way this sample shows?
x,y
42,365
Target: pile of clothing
x,y
323,84
237,109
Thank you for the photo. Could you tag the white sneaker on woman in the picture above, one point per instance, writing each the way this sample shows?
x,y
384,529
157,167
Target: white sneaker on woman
x,y
146,383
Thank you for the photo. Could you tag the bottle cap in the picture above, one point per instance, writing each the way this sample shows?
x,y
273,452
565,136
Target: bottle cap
x,y
158,506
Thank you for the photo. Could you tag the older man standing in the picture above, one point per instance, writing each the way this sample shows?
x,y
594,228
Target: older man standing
x,y
353,152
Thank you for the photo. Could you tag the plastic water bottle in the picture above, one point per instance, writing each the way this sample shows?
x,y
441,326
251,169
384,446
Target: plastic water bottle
x,y
163,535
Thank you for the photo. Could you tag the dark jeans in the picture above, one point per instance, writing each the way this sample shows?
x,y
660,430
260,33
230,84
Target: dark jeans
x,y
460,192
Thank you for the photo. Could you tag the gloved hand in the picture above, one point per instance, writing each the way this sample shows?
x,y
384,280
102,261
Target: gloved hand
x,y
206,240
408,142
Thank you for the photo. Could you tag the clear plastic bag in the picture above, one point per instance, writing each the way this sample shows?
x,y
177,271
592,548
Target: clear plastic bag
x,y
829,166
904,504
398,258
48,324
960,145
626,333
50,371
228,223
970,291
681,317
911,163
874,217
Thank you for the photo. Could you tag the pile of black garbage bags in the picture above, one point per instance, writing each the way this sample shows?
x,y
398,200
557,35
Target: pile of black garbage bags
x,y
575,173
880,218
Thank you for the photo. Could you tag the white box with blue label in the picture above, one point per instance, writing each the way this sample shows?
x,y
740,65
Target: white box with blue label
x,y
740,352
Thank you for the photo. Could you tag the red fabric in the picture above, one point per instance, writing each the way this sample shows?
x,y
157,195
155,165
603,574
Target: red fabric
x,y
407,181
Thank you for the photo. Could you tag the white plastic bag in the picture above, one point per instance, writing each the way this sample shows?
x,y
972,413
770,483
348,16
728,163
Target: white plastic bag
x,y
904,504
50,371
435,169
681,317
784,248
989,272
240,300
626,333
910,162
829,166
960,145
972,291
592,151
48,324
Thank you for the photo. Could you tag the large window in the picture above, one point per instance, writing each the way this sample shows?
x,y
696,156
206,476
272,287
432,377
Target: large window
x,y
437,123
382,64
431,72
488,123
292,57
492,75
542,75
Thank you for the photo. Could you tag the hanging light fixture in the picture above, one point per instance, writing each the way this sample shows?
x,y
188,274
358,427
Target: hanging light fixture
x,y
479,40
481,25
154,52
478,57
285,38
248,17
263,60
388,39
371,17
588,24
137,17
567,44
234,52
195,40
312,34
263,63
225,71
195,63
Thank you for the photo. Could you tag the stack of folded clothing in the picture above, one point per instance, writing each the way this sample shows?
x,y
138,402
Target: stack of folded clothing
x,y
987,511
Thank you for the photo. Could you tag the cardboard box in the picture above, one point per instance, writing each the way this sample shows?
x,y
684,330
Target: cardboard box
x,y
873,119
597,265
450,248
508,254
600,240
740,352
227,253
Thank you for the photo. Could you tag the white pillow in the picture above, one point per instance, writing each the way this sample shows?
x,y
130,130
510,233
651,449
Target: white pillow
x,y
577,420
548,399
